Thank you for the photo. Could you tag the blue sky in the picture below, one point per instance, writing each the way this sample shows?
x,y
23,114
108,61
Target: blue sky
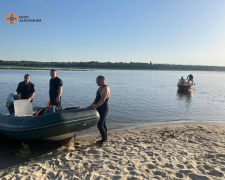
x,y
161,31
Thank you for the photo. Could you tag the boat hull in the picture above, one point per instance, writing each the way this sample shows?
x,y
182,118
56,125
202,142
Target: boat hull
x,y
185,87
55,126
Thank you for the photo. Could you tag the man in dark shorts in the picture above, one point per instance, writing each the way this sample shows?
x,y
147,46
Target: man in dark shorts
x,y
101,104
26,89
55,89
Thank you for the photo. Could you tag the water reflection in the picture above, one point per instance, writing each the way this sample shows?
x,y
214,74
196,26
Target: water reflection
x,y
185,95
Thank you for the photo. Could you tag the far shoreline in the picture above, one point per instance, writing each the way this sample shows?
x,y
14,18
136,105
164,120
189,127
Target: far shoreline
x,y
43,68
92,69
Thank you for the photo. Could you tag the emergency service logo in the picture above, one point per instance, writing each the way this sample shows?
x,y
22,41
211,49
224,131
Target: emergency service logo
x,y
11,18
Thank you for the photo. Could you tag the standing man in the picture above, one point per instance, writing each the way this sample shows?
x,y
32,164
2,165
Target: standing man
x,y
55,89
26,89
190,78
101,104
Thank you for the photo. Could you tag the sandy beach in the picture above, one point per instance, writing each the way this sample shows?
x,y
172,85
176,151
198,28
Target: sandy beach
x,y
171,151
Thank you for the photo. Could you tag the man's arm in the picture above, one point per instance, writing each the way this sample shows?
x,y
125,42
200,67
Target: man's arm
x,y
93,102
92,105
59,93
32,93
31,97
18,89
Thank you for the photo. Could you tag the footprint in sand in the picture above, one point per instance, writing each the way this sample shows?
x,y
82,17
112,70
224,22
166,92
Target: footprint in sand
x,y
168,165
190,166
133,173
154,162
184,171
69,156
116,177
150,166
179,175
117,172
159,159
111,167
201,170
216,173
51,175
197,177
222,169
180,166
130,168
159,173
207,167
149,153
147,171
133,178
92,151
220,155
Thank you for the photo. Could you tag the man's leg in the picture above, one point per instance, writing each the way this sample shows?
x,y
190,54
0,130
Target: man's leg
x,y
102,125
105,131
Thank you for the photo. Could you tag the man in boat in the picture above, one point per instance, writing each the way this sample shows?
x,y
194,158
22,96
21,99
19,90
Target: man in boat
x,y
190,78
55,89
101,104
182,80
26,89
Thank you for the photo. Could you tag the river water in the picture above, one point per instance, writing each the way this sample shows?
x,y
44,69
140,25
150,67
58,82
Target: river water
x,y
138,97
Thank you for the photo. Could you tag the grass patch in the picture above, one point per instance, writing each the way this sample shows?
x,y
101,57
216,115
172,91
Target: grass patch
x,y
24,152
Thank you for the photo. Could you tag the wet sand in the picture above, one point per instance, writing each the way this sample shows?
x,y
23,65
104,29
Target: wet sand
x,y
171,151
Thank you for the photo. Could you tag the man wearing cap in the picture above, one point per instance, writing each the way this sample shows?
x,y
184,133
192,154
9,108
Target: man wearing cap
x,y
26,89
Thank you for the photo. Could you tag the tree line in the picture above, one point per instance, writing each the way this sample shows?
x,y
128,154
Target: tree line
x,y
111,65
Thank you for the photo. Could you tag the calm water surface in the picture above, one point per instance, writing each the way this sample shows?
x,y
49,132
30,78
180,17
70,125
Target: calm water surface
x,y
137,97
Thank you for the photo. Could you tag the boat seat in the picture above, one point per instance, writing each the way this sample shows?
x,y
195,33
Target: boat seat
x,y
23,107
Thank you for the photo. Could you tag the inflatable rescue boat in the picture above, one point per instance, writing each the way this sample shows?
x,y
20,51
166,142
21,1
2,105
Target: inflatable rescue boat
x,y
27,123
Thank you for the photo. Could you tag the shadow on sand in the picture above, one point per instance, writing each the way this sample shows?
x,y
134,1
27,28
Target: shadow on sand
x,y
9,148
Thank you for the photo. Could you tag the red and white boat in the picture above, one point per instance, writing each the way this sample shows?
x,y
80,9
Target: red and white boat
x,y
185,86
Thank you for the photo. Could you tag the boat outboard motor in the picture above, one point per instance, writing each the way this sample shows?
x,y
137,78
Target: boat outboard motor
x,y
9,102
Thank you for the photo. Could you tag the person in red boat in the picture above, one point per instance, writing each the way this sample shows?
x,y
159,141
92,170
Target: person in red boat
x,y
190,78
182,80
